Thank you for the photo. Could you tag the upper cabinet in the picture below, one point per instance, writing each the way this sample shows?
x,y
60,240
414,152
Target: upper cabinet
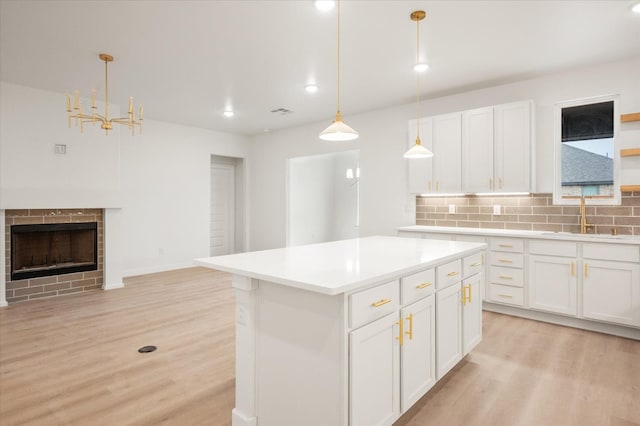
x,y
441,134
481,150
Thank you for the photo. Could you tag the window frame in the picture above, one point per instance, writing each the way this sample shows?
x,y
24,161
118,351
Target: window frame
x,y
557,152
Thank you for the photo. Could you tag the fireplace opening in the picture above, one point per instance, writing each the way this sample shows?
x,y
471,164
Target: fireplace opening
x,y
53,249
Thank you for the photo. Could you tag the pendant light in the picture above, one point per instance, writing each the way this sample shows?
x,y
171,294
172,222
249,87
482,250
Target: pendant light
x,y
418,150
338,130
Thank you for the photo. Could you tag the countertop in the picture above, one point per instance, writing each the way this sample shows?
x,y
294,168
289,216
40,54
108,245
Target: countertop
x,y
342,266
563,236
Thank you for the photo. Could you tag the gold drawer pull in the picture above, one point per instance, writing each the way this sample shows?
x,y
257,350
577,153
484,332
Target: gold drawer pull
x,y
380,302
506,277
453,274
586,270
423,285
476,264
505,260
505,245
505,295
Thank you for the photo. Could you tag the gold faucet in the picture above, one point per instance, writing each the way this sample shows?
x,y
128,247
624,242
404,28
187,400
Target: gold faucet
x,y
584,226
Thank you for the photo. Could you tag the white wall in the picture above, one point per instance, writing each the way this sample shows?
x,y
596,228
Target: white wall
x,y
385,203
161,179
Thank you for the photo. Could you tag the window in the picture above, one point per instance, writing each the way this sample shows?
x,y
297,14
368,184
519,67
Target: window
x,y
586,162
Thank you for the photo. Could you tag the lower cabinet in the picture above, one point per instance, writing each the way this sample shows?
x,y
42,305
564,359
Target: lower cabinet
x,y
384,355
472,291
374,373
553,284
611,291
418,351
449,328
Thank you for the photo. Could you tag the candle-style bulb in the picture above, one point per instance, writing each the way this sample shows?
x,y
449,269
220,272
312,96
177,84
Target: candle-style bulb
x,y
131,105
140,112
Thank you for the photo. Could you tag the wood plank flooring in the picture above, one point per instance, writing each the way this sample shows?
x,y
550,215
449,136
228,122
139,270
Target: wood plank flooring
x,y
73,360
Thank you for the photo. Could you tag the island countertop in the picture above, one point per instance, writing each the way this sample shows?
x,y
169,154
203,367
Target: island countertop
x,y
341,266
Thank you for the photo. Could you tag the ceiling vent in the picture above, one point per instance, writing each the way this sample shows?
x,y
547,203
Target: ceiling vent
x,y
282,111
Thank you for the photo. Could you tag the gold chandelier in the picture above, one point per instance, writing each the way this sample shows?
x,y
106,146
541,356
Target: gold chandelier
x,y
107,123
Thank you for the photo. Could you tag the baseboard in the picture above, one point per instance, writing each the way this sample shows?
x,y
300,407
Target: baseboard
x,y
239,419
600,327
112,286
4,304
154,269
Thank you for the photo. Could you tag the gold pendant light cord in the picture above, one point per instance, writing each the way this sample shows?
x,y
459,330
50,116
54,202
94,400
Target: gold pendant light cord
x,y
417,81
338,50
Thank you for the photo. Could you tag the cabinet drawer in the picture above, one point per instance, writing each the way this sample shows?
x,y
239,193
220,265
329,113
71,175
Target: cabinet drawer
x,y
506,294
617,252
417,286
512,260
507,244
369,305
449,273
553,248
473,264
508,276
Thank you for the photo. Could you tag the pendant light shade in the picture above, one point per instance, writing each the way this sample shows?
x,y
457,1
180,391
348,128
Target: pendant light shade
x,y
418,150
338,130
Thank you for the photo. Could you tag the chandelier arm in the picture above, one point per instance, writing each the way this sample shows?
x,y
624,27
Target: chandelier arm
x,y
123,120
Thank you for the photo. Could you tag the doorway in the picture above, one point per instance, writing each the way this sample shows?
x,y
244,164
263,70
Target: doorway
x,y
227,218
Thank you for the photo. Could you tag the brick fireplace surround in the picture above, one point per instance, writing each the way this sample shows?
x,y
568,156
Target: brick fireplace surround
x,y
54,285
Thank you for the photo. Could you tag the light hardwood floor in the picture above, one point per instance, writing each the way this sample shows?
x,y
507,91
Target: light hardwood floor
x,y
74,360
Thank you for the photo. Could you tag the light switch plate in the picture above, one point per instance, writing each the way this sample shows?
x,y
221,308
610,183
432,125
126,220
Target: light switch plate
x,y
452,208
496,209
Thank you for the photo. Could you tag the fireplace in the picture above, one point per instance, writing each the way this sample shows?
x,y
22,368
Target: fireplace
x,y
53,249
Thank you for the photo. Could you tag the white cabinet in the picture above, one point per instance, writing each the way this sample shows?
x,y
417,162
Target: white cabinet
x,y
374,373
477,150
611,283
496,148
506,273
418,358
442,135
512,147
553,284
449,328
472,312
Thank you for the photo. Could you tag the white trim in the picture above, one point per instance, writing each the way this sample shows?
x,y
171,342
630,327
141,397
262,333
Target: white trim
x,y
157,268
557,146
3,282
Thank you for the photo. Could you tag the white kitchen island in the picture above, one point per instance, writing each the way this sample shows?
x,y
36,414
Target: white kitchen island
x,y
349,332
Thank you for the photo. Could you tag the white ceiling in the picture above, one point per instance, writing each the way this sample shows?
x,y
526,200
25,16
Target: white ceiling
x,y
186,60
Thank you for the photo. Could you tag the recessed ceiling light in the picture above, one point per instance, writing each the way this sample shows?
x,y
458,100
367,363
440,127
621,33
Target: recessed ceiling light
x,y
325,5
311,88
635,8
421,67
228,113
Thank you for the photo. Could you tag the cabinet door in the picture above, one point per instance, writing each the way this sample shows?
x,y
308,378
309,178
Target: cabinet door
x,y
552,284
418,350
447,141
611,292
421,169
512,147
449,328
472,312
374,373
477,150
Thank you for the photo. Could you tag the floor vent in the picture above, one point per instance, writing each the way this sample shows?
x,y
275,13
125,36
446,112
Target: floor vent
x,y
147,349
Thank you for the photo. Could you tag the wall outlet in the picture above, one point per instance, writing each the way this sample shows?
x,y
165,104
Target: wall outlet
x,y
496,209
60,149
452,208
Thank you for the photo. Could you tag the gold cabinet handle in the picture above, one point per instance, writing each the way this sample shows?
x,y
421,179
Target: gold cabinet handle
x,y
380,303
499,183
573,269
423,285
410,332
470,296
429,186
437,186
453,274
586,270
505,295
400,337
464,295
476,264
490,183
505,260
505,245
505,277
